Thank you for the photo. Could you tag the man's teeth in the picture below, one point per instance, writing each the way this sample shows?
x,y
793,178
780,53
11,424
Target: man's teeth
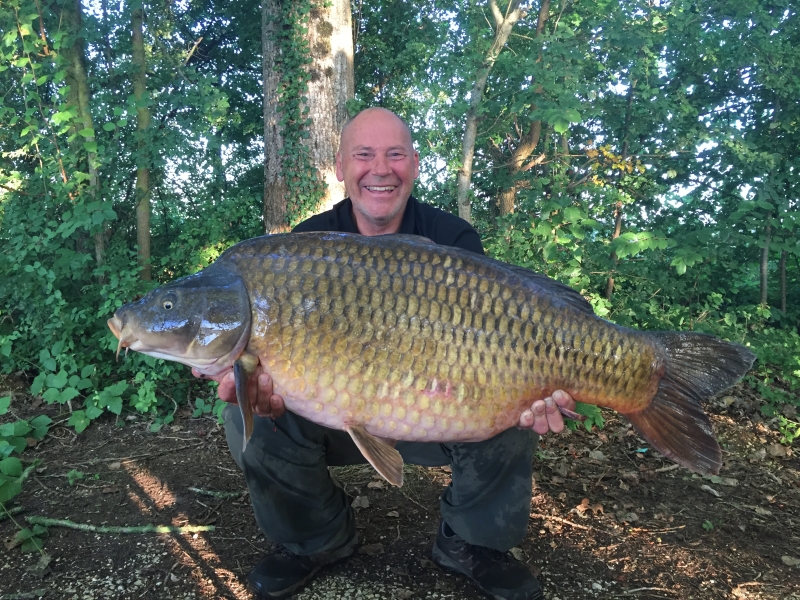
x,y
385,188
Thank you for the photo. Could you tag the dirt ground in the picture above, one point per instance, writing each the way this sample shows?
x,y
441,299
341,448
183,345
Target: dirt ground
x,y
608,520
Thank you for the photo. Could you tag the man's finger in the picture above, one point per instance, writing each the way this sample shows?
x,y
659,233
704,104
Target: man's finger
x,y
555,422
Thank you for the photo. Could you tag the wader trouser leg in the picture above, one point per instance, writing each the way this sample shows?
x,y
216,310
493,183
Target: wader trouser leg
x,y
297,504
295,500
488,502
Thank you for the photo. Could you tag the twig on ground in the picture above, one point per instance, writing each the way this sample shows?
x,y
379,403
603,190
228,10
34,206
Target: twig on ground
x,y
215,494
560,520
407,497
667,468
25,595
149,528
10,512
644,589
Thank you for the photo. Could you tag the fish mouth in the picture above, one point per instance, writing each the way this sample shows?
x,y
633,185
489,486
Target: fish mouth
x,y
124,334
128,340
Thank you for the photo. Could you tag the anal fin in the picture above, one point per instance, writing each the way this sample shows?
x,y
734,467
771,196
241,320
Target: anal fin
x,y
382,456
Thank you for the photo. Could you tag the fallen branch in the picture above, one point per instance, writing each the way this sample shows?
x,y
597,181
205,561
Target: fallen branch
x,y
137,456
215,494
48,522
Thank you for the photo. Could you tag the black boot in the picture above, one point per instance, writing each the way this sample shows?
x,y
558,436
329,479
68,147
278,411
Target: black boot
x,y
281,573
497,573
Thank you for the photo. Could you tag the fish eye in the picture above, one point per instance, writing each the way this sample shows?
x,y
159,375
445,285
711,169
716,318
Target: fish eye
x,y
167,304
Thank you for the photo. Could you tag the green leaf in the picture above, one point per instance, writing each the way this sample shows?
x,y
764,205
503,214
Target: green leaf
x,y
40,421
11,466
109,126
58,380
38,383
8,490
560,126
33,544
114,405
79,421
52,395
5,402
67,395
90,147
88,132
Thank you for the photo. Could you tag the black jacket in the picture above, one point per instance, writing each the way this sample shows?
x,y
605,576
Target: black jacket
x,y
418,219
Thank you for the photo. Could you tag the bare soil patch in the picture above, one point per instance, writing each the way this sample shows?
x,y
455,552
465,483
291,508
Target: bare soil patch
x,y
609,519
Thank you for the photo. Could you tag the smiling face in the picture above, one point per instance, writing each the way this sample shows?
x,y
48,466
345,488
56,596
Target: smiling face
x,y
378,164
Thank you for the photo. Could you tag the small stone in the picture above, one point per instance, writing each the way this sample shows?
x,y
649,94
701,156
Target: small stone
x,y
597,455
114,466
596,586
777,450
372,549
393,513
790,561
518,554
360,502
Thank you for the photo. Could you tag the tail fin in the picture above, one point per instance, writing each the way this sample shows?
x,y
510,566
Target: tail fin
x,y
697,367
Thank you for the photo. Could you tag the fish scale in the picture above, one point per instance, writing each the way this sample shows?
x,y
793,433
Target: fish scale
x,y
396,338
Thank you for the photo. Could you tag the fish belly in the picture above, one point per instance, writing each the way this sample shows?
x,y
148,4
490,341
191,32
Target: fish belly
x,y
428,343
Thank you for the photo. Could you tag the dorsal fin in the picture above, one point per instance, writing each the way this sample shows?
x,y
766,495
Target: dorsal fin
x,y
410,238
561,291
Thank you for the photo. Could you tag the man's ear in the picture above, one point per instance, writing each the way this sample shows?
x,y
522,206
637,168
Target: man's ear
x,y
416,165
339,170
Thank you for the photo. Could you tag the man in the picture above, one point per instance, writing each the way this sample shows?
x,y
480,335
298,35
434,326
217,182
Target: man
x,y
486,508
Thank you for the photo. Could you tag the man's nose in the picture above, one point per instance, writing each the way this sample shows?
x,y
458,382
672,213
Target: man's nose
x,y
380,166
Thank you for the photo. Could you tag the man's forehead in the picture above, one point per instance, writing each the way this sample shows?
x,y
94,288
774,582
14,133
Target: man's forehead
x,y
373,126
379,146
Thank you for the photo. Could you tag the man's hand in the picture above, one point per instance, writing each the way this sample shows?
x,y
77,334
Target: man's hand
x,y
544,416
259,389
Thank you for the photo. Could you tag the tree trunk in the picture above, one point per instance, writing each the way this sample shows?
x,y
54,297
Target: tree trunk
x,y
765,262
503,26
782,269
332,85
618,207
330,42
528,143
80,96
142,124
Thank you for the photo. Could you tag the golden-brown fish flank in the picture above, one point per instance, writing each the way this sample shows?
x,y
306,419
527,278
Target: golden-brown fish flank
x,y
398,338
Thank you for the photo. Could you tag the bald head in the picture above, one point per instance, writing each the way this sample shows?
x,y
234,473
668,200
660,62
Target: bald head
x,y
378,164
369,114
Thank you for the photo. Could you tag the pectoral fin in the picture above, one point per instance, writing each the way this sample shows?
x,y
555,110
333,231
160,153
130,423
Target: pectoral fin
x,y
242,370
386,460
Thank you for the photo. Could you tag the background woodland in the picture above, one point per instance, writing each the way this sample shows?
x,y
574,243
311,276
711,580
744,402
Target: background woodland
x,y
645,153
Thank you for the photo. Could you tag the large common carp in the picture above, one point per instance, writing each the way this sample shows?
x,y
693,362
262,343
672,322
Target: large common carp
x,y
396,338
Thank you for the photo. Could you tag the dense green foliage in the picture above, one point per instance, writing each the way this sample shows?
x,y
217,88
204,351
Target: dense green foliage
x,y
681,116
